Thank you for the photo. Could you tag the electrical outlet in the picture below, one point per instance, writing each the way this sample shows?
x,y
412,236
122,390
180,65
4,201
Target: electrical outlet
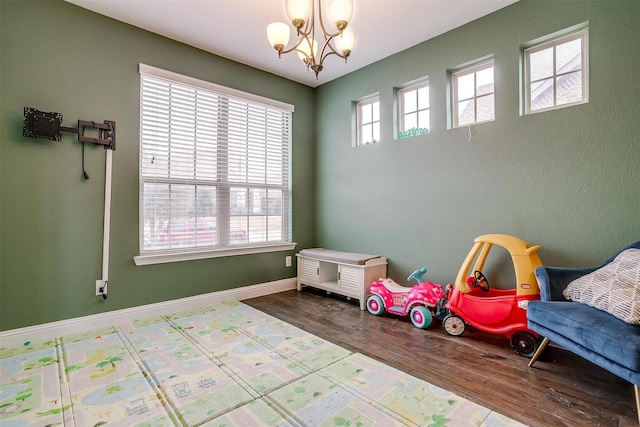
x,y
287,261
99,285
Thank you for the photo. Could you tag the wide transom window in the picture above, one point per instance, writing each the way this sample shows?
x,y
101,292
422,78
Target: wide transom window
x,y
214,167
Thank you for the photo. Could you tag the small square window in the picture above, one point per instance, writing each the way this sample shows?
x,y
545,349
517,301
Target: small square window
x,y
368,121
556,72
472,94
413,109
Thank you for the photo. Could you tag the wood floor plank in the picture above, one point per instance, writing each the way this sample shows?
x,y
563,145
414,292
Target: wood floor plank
x,y
562,389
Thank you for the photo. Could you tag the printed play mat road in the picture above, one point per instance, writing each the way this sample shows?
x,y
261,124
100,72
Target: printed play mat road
x,y
226,364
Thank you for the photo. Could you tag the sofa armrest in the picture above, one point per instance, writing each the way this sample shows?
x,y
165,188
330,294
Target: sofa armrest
x,y
553,280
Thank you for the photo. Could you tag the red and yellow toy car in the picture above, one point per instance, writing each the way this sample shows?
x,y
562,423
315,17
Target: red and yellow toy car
x,y
470,300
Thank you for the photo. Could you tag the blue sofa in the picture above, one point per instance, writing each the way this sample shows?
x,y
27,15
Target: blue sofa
x,y
596,335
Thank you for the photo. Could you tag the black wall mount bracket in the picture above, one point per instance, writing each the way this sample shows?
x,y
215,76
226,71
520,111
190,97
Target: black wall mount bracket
x,y
40,124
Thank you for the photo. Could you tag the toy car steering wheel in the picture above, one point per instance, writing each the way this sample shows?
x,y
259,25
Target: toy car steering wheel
x,y
480,281
417,275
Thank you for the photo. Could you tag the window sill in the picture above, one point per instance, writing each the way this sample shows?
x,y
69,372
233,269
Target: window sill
x,y
160,258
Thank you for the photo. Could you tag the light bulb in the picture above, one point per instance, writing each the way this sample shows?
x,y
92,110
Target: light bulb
x,y
278,35
345,42
340,12
298,11
304,51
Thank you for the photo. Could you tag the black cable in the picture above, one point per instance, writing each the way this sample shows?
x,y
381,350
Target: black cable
x,y
84,172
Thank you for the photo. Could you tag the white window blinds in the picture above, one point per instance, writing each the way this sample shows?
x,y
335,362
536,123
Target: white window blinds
x,y
214,166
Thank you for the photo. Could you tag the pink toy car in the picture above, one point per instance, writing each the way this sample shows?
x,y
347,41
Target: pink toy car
x,y
418,301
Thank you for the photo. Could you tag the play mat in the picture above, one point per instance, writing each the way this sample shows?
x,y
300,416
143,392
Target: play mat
x,y
226,364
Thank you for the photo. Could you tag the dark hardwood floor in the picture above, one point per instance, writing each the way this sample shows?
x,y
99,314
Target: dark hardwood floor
x,y
562,389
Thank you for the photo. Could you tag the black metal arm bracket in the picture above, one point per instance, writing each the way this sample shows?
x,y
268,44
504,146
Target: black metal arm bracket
x,y
106,133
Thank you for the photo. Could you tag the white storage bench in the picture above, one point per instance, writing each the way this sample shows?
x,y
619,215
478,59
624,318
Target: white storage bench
x,y
344,273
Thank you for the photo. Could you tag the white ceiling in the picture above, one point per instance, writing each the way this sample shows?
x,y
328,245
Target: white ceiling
x,y
236,29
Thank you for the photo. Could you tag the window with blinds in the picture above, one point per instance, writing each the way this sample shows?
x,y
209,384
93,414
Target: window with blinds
x,y
214,166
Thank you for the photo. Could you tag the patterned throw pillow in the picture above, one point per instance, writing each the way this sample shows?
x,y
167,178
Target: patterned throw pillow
x,y
614,288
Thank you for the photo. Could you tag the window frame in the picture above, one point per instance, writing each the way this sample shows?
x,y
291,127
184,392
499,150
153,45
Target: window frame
x,y
359,106
455,75
154,255
580,32
401,113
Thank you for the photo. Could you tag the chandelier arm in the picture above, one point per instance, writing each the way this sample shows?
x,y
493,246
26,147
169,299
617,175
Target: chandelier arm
x,y
325,33
295,46
332,52
328,34
311,57
326,44
308,28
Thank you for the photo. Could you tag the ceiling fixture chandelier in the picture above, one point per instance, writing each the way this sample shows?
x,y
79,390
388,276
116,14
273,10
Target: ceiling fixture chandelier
x,y
301,13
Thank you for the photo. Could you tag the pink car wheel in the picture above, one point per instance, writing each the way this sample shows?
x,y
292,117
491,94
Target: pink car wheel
x,y
420,317
375,305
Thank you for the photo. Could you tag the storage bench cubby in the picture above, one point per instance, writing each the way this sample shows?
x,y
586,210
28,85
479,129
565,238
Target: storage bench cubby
x,y
344,273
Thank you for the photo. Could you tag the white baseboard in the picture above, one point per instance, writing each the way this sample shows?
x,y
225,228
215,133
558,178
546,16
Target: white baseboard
x,y
20,336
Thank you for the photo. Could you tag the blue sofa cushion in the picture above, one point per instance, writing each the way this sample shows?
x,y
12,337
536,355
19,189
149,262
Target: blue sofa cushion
x,y
593,329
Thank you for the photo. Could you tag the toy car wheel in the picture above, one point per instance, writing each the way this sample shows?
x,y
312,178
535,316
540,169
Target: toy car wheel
x,y
375,305
524,344
420,317
453,325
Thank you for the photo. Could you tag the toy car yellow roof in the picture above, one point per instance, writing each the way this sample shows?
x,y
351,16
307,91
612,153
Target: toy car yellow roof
x,y
523,255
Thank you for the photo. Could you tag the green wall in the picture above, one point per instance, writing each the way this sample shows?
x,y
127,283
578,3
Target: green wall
x,y
567,180
59,57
